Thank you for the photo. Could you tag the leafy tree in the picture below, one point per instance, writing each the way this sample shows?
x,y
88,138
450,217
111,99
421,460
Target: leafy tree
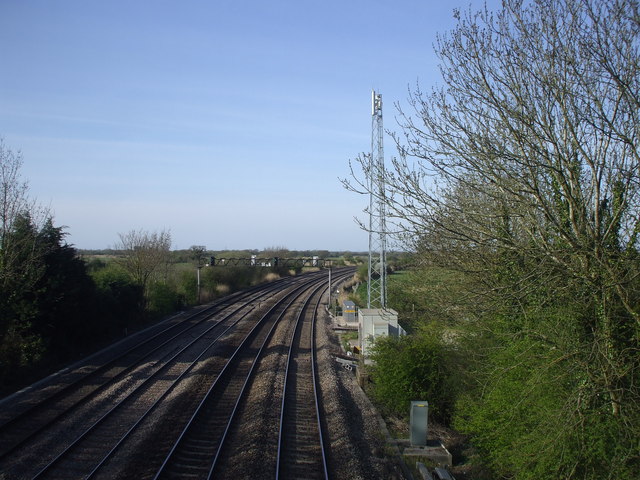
x,y
47,304
197,254
21,268
64,294
21,344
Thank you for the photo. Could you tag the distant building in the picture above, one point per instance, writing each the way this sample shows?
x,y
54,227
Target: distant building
x,y
373,322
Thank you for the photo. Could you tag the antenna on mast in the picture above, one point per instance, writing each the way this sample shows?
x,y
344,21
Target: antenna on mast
x,y
377,281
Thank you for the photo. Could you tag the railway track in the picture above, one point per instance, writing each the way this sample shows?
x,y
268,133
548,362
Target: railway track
x,y
210,443
271,434
301,449
154,398
198,448
25,419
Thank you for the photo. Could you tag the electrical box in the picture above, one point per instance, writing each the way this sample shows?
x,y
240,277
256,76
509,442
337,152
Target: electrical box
x,y
418,422
349,311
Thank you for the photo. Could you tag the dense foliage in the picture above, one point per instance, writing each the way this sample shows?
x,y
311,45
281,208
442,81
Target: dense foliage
x,y
47,299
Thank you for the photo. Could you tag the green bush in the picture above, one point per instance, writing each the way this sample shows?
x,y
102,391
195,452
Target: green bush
x,y
120,300
363,272
414,367
535,408
163,299
188,287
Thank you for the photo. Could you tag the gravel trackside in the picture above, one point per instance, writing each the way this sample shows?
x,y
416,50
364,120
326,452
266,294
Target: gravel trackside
x,y
357,444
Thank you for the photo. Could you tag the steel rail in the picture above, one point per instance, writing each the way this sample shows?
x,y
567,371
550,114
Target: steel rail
x,y
192,425
316,392
29,414
293,375
240,399
168,364
117,445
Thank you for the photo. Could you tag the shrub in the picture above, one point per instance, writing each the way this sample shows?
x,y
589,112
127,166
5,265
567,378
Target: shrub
x,y
413,367
163,299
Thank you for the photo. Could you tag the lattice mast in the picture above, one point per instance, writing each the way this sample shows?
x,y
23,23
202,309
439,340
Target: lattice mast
x,y
377,281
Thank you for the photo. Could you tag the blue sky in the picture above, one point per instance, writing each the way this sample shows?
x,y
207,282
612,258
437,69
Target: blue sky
x,y
229,123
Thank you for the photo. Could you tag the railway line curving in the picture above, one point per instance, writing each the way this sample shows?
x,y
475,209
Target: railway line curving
x,y
229,391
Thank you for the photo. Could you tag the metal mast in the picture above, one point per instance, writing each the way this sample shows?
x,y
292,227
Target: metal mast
x,y
377,282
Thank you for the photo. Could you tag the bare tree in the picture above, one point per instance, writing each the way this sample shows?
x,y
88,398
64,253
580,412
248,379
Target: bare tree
x,y
144,253
531,146
17,253
13,191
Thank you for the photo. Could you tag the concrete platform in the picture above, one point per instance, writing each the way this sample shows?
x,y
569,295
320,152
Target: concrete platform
x,y
434,451
340,322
